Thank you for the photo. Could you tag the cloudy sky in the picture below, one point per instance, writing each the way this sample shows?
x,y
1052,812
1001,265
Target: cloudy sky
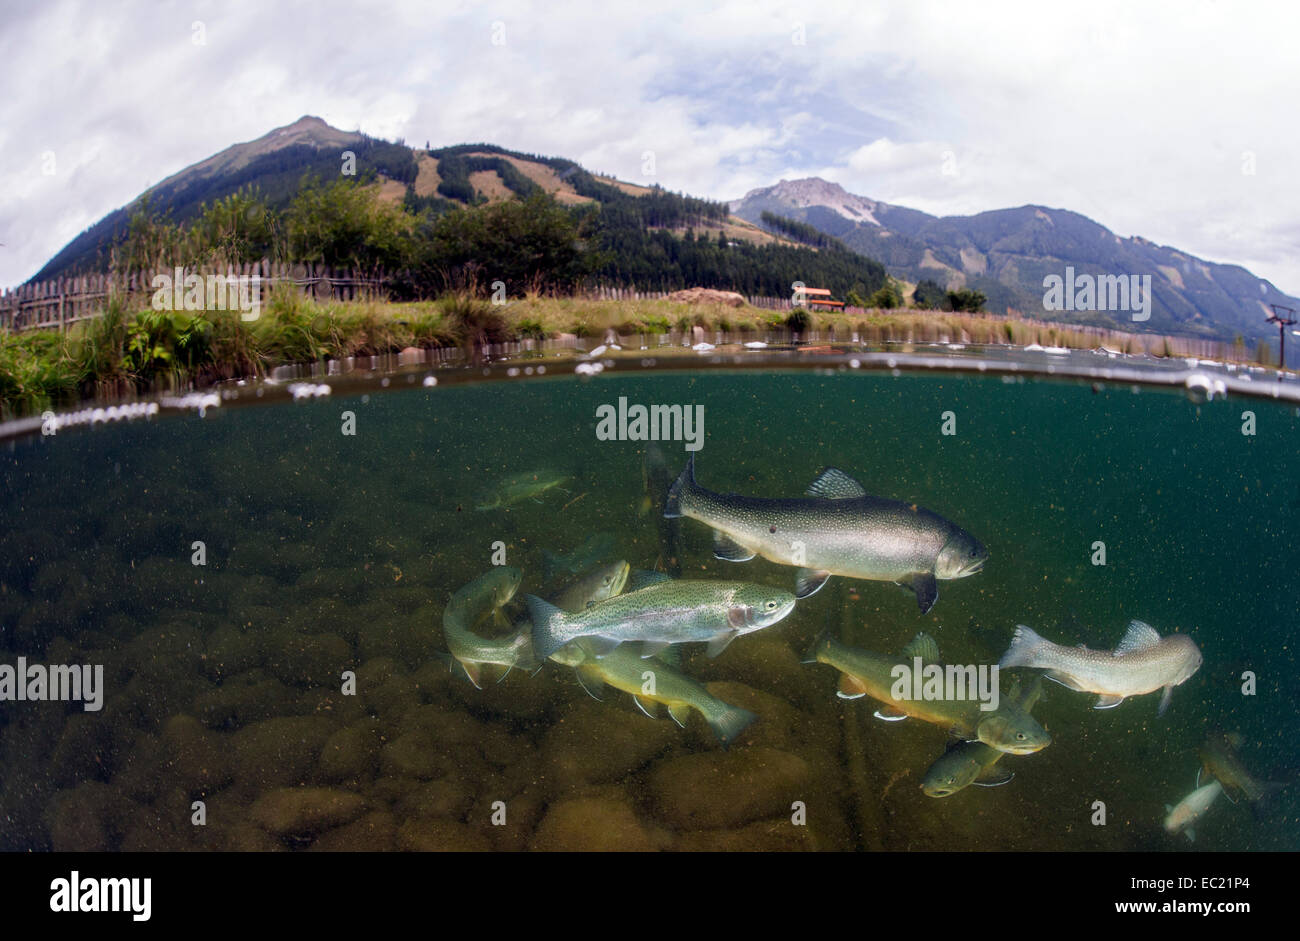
x,y
1173,121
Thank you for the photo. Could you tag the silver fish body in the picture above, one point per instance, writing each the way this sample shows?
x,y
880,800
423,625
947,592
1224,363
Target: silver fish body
x,y
593,588
472,603
671,612
838,529
1142,663
1183,816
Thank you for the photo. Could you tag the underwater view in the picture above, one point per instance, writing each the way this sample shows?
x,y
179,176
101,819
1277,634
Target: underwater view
x,y
498,615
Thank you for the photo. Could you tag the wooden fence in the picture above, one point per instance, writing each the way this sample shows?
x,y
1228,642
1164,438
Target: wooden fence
x,y
59,303
62,302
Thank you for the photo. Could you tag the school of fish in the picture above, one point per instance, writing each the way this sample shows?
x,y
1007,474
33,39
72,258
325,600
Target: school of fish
x,y
621,628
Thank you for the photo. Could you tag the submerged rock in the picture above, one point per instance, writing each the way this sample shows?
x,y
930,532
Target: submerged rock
x,y
439,835
279,752
375,832
193,757
601,742
594,824
306,810
350,754
727,789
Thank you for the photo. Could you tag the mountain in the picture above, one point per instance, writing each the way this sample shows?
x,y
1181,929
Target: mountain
x,y
1007,253
468,173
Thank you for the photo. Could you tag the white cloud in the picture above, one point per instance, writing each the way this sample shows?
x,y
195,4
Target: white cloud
x,y
1136,115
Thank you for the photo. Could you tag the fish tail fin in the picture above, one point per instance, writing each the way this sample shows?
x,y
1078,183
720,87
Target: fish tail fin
x,y
684,485
822,641
730,722
548,626
1023,648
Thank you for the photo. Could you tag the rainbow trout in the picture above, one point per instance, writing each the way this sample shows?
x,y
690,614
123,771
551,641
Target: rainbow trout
x,y
671,612
837,529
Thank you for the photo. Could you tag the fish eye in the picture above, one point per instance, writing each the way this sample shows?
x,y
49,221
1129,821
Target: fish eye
x,y
771,605
1020,736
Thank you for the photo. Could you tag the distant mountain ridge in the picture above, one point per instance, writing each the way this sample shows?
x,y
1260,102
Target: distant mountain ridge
x,y
1007,254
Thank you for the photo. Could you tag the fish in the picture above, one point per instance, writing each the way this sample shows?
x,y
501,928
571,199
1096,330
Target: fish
x,y
1180,819
837,529
650,682
518,487
1142,663
656,481
966,763
643,578
671,612
1007,728
1219,760
595,549
597,586
485,596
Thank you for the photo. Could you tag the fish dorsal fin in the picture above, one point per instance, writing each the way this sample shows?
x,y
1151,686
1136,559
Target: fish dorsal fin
x,y
923,646
832,484
1140,636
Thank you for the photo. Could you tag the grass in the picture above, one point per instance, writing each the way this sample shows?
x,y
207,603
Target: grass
x,y
132,349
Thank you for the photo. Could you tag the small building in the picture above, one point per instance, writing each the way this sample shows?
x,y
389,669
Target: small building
x,y
820,299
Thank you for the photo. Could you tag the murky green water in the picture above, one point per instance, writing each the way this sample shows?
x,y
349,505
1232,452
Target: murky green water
x,y
328,553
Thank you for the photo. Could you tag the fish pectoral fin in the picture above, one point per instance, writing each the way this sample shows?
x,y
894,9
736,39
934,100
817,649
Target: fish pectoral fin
x,y
646,706
728,550
594,686
1066,680
720,641
474,672
650,648
1191,835
601,646
809,582
1105,701
889,714
1164,700
679,713
850,687
994,776
927,590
